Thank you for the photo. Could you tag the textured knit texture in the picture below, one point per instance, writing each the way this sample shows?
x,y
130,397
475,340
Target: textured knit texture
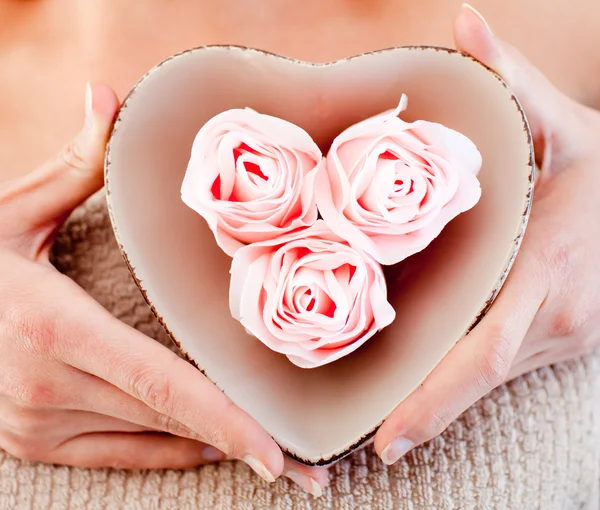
x,y
533,443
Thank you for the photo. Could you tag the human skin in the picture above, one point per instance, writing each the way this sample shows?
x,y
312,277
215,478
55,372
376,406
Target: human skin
x,y
548,311
54,337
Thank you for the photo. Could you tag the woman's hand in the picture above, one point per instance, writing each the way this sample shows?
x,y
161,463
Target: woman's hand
x,y
77,386
549,308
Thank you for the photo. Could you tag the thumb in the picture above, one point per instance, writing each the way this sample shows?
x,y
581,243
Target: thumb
x,y
554,118
44,197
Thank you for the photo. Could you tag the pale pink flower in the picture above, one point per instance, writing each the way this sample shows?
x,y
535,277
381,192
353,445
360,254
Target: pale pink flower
x,y
390,186
309,295
251,176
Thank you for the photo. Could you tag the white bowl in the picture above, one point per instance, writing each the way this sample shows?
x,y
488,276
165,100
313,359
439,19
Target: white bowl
x,y
319,415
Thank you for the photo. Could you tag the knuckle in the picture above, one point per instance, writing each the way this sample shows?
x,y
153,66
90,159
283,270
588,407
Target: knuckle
x,y
72,157
495,362
37,335
567,323
171,426
438,421
224,430
215,430
559,258
32,393
153,387
556,261
219,436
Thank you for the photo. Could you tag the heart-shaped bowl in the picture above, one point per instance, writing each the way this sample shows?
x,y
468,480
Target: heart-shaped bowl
x,y
317,416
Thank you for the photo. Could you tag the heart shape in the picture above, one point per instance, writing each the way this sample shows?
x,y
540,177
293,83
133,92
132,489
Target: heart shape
x,y
317,416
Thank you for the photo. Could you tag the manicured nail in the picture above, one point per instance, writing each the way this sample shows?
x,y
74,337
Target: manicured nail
x,y
479,15
260,469
213,455
89,110
305,482
396,449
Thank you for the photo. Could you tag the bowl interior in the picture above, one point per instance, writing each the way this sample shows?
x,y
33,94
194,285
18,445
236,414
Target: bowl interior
x,y
320,414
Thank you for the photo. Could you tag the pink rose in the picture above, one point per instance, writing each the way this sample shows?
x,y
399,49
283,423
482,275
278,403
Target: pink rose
x,y
309,295
390,186
251,176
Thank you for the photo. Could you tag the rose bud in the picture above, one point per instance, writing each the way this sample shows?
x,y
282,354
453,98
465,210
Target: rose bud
x,y
251,176
309,295
390,187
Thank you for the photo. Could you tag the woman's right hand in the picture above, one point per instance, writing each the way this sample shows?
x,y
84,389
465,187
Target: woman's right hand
x,y
77,386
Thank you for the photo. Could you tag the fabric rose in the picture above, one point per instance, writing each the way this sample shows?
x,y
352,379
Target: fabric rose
x,y
309,295
251,176
390,186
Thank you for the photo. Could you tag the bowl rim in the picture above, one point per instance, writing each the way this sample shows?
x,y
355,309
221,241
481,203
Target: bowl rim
x,y
323,461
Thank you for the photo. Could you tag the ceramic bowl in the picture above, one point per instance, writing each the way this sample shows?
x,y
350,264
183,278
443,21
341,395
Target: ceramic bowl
x,y
317,416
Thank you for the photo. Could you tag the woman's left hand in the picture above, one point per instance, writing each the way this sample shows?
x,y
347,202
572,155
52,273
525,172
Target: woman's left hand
x,y
549,308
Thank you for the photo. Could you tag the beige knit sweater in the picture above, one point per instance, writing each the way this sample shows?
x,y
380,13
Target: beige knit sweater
x,y
533,443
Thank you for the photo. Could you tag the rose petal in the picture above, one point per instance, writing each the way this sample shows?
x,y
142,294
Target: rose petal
x,y
389,187
309,295
251,177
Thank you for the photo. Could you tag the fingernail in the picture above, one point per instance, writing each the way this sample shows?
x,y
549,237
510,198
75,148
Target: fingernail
x,y
479,15
89,104
396,449
305,482
213,455
260,469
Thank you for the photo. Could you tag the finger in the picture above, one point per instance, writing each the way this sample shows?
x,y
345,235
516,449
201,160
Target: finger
x,y
549,352
476,365
167,384
555,120
99,396
131,451
58,424
82,422
311,479
57,187
38,429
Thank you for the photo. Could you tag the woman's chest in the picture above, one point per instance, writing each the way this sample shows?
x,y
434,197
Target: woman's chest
x,y
46,56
